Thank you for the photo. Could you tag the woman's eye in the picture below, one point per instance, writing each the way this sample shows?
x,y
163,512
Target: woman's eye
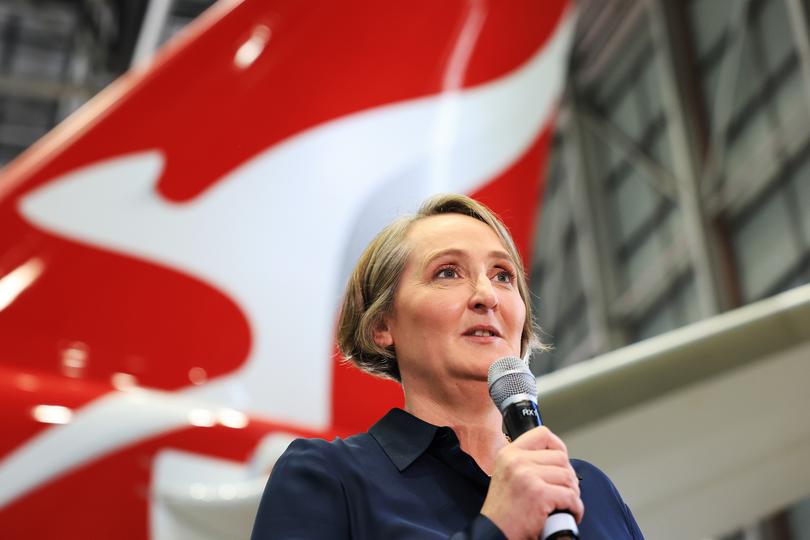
x,y
504,276
447,272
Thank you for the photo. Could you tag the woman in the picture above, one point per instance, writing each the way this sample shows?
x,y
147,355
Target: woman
x,y
433,301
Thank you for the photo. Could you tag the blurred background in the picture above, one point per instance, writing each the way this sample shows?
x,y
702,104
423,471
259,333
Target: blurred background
x,y
677,187
679,182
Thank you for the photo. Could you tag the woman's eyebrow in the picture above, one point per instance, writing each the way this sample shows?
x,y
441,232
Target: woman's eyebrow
x,y
433,255
498,254
495,254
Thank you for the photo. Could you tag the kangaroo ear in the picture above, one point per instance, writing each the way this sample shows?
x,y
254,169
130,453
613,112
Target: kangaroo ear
x,y
382,335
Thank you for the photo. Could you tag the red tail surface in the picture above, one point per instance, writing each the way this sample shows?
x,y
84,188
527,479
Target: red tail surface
x,y
172,256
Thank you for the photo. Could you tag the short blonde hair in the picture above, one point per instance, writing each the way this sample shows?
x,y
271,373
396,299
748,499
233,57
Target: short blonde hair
x,y
370,292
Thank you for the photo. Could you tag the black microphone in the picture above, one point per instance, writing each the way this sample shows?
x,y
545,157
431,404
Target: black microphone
x,y
513,388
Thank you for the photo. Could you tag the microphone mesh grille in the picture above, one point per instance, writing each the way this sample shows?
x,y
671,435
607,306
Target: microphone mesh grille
x,y
510,376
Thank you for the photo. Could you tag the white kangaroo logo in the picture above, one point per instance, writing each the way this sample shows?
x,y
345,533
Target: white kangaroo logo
x,y
272,236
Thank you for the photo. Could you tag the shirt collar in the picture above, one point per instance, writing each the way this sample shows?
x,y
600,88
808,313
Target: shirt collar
x,y
403,437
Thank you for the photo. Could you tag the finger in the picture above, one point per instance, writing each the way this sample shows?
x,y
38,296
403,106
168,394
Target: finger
x,y
519,456
540,438
558,498
551,473
559,476
571,503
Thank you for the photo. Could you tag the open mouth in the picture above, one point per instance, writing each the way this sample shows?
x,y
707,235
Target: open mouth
x,y
482,331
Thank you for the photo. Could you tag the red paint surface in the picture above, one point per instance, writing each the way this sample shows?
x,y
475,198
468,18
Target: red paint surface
x,y
109,497
515,193
21,390
208,117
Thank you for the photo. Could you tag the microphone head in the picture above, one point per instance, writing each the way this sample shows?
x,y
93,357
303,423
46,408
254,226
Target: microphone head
x,y
509,380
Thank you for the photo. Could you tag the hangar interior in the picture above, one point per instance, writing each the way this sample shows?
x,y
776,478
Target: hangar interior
x,y
677,188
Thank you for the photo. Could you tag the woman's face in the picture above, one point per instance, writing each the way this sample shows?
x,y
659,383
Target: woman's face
x,y
457,308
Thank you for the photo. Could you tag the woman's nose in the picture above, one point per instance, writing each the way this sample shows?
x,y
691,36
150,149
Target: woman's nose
x,y
483,294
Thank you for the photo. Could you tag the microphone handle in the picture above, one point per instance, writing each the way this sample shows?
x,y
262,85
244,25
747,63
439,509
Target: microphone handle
x,y
518,418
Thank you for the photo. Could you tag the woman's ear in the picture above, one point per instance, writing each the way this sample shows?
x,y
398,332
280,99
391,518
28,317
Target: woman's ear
x,y
382,334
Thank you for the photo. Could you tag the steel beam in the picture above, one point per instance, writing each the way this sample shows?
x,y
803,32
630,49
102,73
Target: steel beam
x,y
801,33
685,163
598,261
157,12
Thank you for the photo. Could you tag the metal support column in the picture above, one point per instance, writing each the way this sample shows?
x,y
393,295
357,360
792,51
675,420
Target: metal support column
x,y
157,12
685,164
599,280
801,33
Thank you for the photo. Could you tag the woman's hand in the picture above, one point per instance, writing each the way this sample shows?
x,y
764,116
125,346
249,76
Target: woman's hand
x,y
532,478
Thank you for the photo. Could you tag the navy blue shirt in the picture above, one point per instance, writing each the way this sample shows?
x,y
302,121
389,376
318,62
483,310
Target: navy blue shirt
x,y
404,479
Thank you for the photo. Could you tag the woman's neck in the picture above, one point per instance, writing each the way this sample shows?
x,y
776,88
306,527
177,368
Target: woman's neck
x,y
473,417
